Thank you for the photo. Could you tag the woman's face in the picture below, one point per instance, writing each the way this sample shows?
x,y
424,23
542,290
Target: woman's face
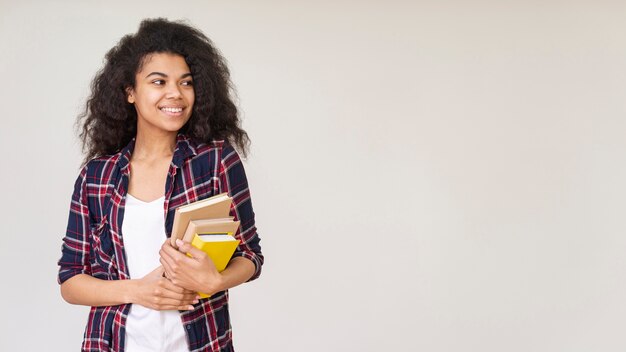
x,y
163,94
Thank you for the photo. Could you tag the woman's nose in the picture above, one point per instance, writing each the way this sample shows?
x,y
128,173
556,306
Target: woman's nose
x,y
173,91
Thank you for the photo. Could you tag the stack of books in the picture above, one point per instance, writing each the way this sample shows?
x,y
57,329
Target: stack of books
x,y
206,224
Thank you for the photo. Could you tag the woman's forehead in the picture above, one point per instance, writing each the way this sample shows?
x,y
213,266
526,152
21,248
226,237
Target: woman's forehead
x,y
162,62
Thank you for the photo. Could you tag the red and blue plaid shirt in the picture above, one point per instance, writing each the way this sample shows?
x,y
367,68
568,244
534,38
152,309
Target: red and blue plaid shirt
x,y
93,243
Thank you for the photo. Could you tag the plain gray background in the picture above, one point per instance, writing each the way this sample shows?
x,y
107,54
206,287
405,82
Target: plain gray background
x,y
427,175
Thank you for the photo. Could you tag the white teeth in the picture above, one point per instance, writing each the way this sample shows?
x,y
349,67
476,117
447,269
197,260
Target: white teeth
x,y
172,109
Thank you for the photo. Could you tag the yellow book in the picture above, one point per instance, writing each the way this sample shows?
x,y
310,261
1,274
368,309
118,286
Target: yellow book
x,y
220,247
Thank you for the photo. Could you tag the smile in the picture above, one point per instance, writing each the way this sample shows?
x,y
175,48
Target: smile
x,y
171,110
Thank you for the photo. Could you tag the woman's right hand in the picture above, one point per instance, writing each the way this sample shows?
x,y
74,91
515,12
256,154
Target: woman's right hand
x,y
157,292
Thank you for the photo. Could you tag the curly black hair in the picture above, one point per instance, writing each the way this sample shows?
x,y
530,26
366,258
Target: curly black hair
x,y
109,122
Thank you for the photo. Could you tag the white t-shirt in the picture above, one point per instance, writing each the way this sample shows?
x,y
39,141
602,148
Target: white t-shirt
x,y
143,231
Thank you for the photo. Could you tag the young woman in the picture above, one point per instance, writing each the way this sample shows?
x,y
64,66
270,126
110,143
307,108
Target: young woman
x,y
159,131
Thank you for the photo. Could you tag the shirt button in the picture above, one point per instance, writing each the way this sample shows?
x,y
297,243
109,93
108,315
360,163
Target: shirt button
x,y
188,326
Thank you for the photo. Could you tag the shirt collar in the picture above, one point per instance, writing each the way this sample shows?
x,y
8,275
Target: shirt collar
x,y
185,148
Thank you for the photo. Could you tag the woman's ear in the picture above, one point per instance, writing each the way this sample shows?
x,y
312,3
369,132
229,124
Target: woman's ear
x,y
129,95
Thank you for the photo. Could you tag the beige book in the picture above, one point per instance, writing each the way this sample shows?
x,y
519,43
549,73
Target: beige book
x,y
216,207
226,225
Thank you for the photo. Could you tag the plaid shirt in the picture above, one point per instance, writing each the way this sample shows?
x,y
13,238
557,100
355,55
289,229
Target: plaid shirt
x,y
93,243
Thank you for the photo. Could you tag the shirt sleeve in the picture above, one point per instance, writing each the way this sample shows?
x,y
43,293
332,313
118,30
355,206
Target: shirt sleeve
x,y
75,249
233,180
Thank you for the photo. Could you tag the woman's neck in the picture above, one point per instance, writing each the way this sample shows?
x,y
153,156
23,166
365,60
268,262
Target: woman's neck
x,y
150,147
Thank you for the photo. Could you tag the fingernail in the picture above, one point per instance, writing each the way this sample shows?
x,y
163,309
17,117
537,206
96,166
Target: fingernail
x,y
190,308
195,301
179,242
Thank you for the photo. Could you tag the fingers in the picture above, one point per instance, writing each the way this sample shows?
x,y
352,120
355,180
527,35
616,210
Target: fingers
x,y
166,296
186,247
171,251
160,303
162,294
165,287
177,265
171,256
183,249
172,290
191,273
170,260
172,269
167,262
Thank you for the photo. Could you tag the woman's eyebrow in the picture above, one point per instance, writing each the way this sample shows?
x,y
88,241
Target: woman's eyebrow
x,y
188,74
156,74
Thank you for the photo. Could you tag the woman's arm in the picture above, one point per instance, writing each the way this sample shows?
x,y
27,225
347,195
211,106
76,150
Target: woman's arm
x,y
152,291
78,286
232,179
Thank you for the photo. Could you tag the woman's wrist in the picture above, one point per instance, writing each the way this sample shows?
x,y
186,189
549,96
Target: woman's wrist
x,y
215,284
129,291
238,271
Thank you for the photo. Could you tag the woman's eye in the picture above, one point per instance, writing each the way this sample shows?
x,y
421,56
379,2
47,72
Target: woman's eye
x,y
159,82
187,83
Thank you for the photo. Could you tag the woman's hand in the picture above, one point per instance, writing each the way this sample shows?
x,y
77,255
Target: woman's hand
x,y
157,292
196,273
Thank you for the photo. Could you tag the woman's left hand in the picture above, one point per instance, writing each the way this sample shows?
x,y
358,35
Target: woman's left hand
x,y
196,273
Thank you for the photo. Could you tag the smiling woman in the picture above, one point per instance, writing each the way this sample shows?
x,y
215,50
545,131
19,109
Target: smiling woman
x,y
159,131
163,94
